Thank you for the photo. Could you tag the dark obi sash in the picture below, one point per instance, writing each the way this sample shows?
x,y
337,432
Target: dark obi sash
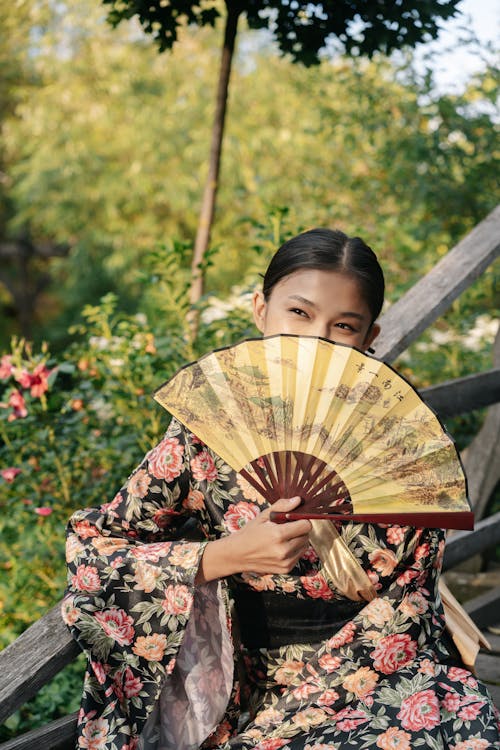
x,y
270,620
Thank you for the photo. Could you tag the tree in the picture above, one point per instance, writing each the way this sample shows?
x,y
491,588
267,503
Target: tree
x,y
301,29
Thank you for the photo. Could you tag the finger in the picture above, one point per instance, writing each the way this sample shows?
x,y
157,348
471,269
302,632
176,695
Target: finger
x,y
296,529
286,504
282,506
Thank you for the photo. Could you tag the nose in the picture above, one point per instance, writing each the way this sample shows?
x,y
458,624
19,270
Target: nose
x,y
321,329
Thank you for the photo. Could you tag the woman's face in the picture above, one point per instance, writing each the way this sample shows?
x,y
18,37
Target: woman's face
x,y
313,302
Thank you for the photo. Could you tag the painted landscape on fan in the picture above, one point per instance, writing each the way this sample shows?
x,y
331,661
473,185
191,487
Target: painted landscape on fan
x,y
299,415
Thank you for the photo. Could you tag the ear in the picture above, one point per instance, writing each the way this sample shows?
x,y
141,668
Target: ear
x,y
259,306
371,335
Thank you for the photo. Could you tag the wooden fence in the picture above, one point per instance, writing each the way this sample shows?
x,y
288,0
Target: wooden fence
x,y
46,647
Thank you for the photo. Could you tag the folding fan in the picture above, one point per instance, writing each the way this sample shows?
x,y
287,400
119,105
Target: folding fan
x,y
301,415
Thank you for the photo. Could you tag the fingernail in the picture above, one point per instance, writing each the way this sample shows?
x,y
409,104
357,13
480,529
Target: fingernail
x,y
293,499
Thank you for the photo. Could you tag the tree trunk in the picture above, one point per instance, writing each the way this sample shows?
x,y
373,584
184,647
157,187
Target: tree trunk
x,y
210,193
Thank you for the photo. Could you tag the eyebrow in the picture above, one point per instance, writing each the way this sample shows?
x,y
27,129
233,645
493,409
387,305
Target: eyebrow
x,y
305,301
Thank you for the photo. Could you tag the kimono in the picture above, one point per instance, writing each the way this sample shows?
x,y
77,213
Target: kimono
x,y
256,661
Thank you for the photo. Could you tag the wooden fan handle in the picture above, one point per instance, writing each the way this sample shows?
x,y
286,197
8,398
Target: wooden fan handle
x,y
453,520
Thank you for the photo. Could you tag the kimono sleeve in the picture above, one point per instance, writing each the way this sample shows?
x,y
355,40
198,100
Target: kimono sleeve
x,y
131,585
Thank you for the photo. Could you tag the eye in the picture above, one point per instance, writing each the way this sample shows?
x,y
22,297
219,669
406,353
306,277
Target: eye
x,y
298,311
346,327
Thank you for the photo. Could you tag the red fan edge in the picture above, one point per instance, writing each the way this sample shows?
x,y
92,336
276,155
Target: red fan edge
x,y
463,520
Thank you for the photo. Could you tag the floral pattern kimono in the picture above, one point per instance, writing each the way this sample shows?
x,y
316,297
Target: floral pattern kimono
x,y
302,667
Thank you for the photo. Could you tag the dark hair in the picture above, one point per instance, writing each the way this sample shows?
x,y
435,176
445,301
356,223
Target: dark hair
x,y
329,250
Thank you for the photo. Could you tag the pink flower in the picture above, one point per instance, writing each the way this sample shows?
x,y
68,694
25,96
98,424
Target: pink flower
x,y
238,515
117,625
6,367
99,672
396,534
427,667
10,473
420,711
422,551
457,674
305,690
115,502
471,712
327,698
44,510
317,587
374,578
178,600
23,378
86,579
393,652
94,735
414,604
165,461
378,611
329,663
132,745
271,744
203,467
194,500
151,552
39,381
473,743
310,554
406,577
69,612
350,718
85,529
259,583
345,635
18,405
131,685
138,483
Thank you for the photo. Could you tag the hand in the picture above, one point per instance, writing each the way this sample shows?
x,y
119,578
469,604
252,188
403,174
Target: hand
x,y
261,546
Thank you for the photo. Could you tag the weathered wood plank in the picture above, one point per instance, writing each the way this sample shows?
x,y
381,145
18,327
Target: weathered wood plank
x,y
464,544
33,659
494,641
464,394
482,456
58,735
433,294
485,609
494,691
488,668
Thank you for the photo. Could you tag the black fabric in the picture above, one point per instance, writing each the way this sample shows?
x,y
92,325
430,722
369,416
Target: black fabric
x,y
265,622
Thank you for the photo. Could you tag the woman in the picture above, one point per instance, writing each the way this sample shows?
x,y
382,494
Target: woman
x,y
325,650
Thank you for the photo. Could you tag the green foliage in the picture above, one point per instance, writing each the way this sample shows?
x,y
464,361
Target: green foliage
x,y
105,151
301,29
72,429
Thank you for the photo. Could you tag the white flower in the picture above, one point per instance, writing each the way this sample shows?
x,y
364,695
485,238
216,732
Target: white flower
x,y
483,332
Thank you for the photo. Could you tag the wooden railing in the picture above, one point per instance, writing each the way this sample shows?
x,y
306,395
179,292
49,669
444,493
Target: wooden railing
x,y
46,647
